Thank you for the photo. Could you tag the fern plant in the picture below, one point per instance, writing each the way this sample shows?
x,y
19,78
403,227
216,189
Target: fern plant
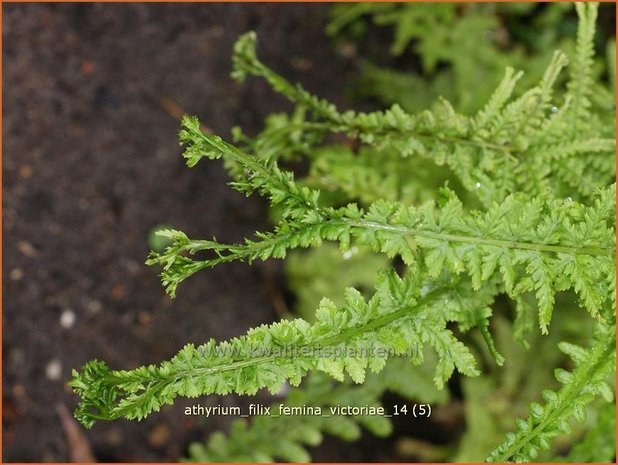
x,y
503,216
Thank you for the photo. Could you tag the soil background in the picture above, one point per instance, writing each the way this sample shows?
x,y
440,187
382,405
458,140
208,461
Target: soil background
x,y
91,164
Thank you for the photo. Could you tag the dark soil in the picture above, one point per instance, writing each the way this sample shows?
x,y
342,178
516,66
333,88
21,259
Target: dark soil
x,y
92,164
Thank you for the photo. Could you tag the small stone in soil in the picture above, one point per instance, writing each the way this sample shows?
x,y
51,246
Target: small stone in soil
x,y
16,274
118,292
94,306
114,437
27,249
53,371
19,391
67,319
25,171
159,435
144,318
132,266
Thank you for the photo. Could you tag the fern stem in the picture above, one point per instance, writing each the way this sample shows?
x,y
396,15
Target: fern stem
x,y
346,335
247,63
596,251
240,252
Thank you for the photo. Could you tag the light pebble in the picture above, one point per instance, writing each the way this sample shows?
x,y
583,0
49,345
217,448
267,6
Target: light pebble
x,y
67,319
53,370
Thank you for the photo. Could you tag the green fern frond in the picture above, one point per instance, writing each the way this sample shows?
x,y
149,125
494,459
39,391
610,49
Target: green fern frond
x,y
252,442
261,176
497,101
579,387
326,271
599,443
537,245
402,317
483,150
370,174
581,81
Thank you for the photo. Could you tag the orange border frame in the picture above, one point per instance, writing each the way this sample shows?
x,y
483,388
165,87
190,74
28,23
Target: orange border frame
x,y
205,1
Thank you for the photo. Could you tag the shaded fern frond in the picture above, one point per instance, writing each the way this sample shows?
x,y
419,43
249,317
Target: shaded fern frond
x,y
588,380
581,82
510,135
599,442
